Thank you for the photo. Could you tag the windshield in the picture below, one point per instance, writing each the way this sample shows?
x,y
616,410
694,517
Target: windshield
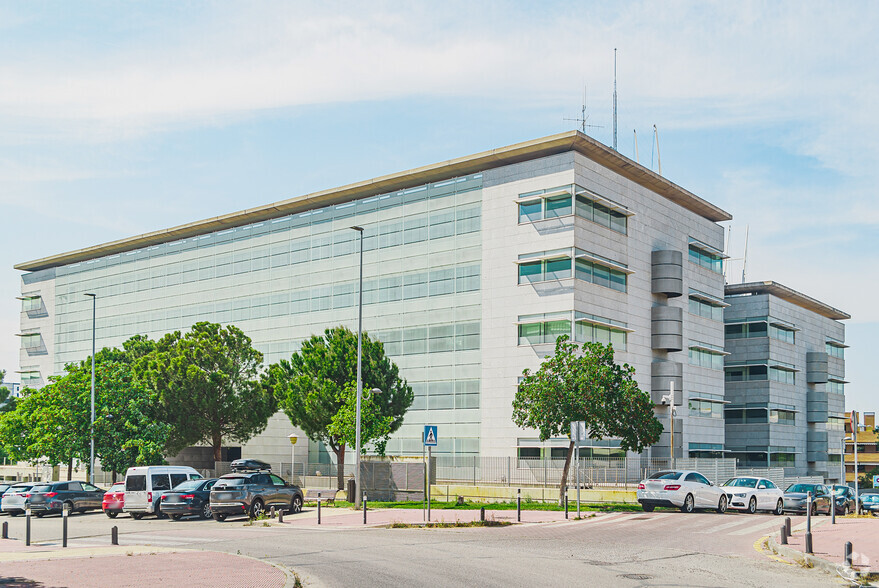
x,y
741,482
801,488
230,482
839,490
870,498
17,489
666,476
188,485
41,488
117,487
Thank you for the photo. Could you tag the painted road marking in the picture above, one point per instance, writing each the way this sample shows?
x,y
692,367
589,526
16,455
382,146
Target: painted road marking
x,y
615,519
724,526
761,546
759,527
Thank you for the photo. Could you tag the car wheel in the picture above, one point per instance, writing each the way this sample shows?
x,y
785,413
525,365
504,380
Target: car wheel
x,y
648,507
779,507
13,513
688,506
752,505
256,508
206,510
219,517
111,513
177,517
721,506
137,515
69,506
158,511
296,505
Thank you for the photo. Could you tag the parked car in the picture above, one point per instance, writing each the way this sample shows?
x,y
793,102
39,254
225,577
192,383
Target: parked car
x,y
844,497
870,504
53,497
144,486
15,498
753,494
251,490
192,497
796,498
683,489
114,500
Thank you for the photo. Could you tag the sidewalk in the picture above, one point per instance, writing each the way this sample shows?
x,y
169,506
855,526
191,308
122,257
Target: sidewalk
x,y
134,566
828,542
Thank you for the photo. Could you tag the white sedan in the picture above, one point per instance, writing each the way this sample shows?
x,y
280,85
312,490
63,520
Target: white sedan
x,y
682,489
753,494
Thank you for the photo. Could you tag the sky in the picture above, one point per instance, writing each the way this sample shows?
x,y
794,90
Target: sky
x,y
119,118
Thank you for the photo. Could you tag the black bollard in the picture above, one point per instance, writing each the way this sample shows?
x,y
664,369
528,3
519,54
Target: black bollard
x,y
787,525
318,508
566,505
519,505
281,515
64,512
809,542
5,530
482,514
848,553
364,508
783,535
27,523
272,513
114,535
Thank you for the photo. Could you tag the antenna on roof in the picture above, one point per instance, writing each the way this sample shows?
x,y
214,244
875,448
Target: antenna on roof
x,y
658,157
636,145
614,98
745,261
583,116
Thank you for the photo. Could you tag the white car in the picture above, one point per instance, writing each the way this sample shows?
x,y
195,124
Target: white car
x,y
753,494
682,489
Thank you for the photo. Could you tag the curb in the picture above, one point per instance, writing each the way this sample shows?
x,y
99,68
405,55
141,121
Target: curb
x,y
816,562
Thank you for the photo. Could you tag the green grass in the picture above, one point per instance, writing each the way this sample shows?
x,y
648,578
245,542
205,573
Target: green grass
x,y
448,525
542,506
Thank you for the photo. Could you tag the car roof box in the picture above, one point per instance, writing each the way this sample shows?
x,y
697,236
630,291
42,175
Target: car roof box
x,y
250,465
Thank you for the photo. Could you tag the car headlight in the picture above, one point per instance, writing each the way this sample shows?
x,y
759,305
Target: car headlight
x,y
740,494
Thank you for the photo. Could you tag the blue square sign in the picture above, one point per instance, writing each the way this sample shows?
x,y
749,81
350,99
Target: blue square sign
x,y
430,436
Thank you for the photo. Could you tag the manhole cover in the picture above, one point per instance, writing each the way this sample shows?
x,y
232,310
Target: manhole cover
x,y
636,576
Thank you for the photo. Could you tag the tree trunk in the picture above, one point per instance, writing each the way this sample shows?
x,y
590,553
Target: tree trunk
x,y
114,477
340,470
567,467
70,469
217,444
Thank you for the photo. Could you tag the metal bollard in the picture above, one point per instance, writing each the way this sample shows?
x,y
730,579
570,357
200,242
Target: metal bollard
x,y
832,509
809,542
482,514
114,535
783,535
272,513
809,513
27,523
281,515
5,530
64,513
848,553
364,508
318,508
787,525
519,505
566,505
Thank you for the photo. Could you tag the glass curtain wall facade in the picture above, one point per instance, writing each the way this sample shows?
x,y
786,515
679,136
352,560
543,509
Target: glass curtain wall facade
x,y
284,279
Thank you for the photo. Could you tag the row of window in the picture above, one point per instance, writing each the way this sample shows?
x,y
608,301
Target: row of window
x,y
701,307
590,270
749,373
757,459
432,339
706,258
567,201
705,355
761,328
706,408
546,328
559,453
738,415
445,395
835,387
317,219
835,349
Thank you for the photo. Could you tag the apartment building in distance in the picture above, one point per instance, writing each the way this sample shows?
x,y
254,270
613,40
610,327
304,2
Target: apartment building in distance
x,y
473,267
785,378
868,447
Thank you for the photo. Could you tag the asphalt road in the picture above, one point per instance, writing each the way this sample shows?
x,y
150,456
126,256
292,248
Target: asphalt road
x,y
619,549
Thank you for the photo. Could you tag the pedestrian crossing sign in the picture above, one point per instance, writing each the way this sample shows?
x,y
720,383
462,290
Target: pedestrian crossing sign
x,y
430,437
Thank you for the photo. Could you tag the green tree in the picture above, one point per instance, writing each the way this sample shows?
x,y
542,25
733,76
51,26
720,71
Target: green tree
x,y
584,384
7,400
206,386
317,391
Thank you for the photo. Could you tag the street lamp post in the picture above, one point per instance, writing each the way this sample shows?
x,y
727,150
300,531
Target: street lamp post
x,y
357,490
92,426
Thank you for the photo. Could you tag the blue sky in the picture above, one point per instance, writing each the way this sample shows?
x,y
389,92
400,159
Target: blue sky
x,y
122,118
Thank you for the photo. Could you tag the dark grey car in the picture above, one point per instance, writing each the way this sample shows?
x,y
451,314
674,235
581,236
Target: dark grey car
x,y
844,497
52,497
253,493
796,499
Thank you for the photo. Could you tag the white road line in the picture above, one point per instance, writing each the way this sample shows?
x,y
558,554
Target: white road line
x,y
615,519
719,528
775,522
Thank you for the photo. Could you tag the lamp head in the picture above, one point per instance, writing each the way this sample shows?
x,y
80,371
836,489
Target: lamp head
x,y
358,229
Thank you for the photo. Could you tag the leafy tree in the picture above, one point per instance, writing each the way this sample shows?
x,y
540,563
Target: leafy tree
x,y
317,391
7,400
866,480
584,384
206,386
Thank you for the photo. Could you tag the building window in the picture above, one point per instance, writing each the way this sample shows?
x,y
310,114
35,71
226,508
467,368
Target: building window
x,y
705,355
706,256
782,333
746,373
31,303
30,379
760,413
783,373
31,341
746,330
709,450
782,459
560,201
529,453
836,423
540,329
561,264
835,386
782,417
705,306
835,349
706,408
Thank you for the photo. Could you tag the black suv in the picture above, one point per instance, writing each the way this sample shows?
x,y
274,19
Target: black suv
x,y
251,490
53,496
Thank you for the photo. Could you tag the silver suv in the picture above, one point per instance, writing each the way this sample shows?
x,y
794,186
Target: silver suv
x,y
251,493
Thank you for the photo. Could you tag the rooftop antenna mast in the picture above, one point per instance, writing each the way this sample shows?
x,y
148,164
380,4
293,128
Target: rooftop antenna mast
x,y
745,260
614,99
584,117
658,157
636,145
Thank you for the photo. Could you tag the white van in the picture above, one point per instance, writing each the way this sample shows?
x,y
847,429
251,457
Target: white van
x,y
144,486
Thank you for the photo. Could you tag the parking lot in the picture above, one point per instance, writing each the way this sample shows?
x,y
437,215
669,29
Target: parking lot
x,y
609,548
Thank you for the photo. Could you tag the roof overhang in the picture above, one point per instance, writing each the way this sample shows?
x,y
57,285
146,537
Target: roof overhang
x,y
529,150
785,293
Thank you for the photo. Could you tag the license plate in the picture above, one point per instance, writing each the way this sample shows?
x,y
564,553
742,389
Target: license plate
x,y
224,495
173,499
